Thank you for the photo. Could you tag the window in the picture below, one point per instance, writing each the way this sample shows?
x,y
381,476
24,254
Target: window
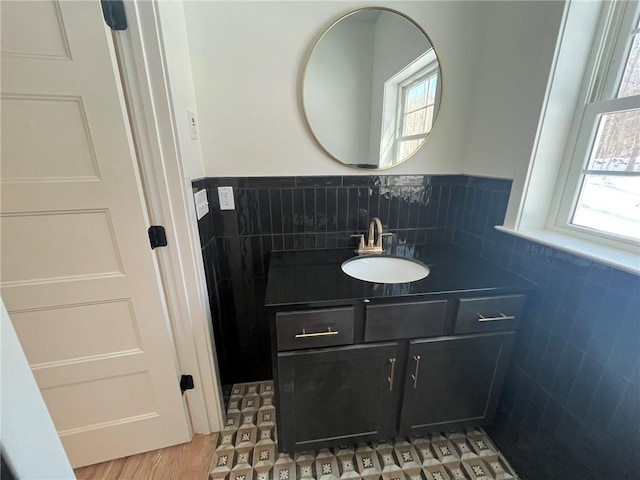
x,y
601,197
410,104
416,110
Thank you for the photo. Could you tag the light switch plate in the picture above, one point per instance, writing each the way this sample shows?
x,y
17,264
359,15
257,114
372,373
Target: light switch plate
x,y
193,125
225,194
202,203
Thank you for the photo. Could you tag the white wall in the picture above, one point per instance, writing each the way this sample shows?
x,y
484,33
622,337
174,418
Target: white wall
x,y
183,97
248,59
517,54
29,439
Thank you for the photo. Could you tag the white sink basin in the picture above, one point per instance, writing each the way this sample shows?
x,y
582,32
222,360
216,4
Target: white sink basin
x,y
385,269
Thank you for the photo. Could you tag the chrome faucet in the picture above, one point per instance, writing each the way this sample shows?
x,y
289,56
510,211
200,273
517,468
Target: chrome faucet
x,y
373,244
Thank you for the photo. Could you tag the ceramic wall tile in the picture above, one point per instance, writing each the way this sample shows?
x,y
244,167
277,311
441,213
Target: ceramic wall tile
x,y
295,213
573,359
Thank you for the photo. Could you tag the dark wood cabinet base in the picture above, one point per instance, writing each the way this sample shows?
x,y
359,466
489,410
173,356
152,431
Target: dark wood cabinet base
x,y
370,370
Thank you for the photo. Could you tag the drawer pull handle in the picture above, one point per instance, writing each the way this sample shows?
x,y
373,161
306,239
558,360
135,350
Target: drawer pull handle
x,y
482,318
304,333
392,373
414,376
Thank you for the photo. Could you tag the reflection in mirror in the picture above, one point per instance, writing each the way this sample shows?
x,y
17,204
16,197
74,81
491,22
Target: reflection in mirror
x,y
371,89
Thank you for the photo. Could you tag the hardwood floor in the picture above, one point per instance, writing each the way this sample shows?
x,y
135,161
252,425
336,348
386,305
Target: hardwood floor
x,y
189,461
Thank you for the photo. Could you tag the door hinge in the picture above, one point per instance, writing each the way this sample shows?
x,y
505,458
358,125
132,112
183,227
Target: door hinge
x,y
186,383
113,13
157,236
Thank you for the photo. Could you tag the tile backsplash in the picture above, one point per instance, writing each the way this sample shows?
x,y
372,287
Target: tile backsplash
x,y
294,213
573,386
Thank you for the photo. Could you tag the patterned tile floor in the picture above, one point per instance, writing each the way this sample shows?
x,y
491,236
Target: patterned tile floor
x,y
247,450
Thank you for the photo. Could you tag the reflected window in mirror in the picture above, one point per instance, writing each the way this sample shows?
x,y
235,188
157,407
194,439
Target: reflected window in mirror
x,y
417,113
410,109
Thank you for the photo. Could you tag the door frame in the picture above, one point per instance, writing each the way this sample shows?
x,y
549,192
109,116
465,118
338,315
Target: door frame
x,y
160,148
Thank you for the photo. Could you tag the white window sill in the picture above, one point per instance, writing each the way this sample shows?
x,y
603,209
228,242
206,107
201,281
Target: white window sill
x,y
613,257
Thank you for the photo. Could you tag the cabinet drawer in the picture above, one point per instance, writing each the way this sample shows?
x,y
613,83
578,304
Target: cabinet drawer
x,y
405,320
489,313
314,328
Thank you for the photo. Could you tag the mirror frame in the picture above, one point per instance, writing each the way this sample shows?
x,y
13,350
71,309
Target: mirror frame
x,y
305,68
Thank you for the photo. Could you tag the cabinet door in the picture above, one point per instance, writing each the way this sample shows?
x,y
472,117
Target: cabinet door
x,y
454,382
336,395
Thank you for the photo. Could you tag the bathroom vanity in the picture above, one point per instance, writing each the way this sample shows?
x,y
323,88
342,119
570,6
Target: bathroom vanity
x,y
357,361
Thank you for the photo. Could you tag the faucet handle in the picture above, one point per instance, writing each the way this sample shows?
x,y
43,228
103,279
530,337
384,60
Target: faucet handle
x,y
386,234
361,235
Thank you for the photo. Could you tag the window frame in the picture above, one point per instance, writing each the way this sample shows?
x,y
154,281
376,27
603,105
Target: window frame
x,y
601,82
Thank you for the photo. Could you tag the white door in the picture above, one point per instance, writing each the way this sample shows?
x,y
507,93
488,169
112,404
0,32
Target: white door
x,y
77,273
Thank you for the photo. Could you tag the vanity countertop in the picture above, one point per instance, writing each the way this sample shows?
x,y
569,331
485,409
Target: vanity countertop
x,y
314,278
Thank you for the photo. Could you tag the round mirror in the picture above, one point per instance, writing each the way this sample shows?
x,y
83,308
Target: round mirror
x,y
371,88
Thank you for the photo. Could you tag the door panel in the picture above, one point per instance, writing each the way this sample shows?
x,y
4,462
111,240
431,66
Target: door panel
x,y
77,274
454,380
336,395
73,332
61,126
43,17
84,245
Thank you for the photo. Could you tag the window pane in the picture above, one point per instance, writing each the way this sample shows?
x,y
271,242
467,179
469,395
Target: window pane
x,y
431,98
610,204
429,118
416,97
414,123
630,84
407,147
617,145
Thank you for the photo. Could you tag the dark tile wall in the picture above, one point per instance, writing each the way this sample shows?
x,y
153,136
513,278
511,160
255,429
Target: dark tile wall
x,y
291,213
571,404
210,261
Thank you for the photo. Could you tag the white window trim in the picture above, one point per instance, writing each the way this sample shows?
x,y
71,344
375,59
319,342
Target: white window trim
x,y
534,203
600,87
567,195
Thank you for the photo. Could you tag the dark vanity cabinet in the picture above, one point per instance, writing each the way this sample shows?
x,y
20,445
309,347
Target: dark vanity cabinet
x,y
356,362
349,374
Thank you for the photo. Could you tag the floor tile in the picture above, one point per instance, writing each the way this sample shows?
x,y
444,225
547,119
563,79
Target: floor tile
x,y
247,449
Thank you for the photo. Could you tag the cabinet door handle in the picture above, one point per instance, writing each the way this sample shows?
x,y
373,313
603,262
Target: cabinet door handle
x,y
392,373
414,376
304,333
482,318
